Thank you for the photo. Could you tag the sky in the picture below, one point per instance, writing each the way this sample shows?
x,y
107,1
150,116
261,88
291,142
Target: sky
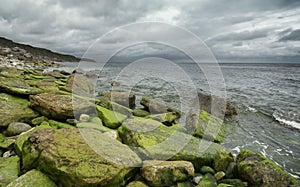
x,y
236,29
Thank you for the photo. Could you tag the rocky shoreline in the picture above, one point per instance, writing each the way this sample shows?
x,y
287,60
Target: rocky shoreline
x,y
54,133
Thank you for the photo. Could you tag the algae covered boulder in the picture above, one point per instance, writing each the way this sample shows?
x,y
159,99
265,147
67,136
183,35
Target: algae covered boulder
x,y
155,141
60,107
32,178
111,119
166,173
156,107
80,157
207,180
206,126
14,109
258,171
9,170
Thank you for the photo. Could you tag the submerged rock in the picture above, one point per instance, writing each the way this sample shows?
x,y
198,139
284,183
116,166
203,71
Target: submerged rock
x,y
155,141
32,178
84,157
9,170
60,107
258,171
166,173
14,109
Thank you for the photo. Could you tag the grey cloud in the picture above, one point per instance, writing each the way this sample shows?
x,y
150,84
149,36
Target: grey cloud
x,y
292,36
71,26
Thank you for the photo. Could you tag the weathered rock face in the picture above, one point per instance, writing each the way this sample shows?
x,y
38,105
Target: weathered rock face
x,y
123,98
206,126
60,107
14,109
215,105
9,170
155,107
32,178
262,172
166,173
65,156
80,85
155,141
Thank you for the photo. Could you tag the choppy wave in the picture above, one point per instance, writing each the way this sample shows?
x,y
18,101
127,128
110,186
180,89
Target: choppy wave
x,y
290,123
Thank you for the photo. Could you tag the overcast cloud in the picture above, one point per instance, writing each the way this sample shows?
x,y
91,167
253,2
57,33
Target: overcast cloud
x,y
232,29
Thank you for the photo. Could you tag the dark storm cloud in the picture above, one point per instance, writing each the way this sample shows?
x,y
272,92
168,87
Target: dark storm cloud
x,y
230,28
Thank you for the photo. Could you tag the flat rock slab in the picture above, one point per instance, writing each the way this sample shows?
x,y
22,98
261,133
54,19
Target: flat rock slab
x,y
84,157
14,109
60,107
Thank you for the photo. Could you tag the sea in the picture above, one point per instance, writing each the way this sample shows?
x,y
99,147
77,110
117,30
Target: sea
x,y
266,95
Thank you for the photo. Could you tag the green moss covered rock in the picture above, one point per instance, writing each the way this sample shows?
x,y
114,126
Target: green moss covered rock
x,y
166,173
257,170
110,118
207,180
139,112
137,184
168,118
80,157
60,107
14,109
32,178
155,141
9,170
206,126
222,160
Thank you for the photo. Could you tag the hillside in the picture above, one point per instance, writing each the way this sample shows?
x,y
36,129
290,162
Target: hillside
x,y
24,52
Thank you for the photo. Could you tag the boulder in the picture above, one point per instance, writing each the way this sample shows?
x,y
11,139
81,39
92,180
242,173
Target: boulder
x,y
80,85
123,98
110,118
155,107
219,175
155,141
137,184
9,170
14,109
85,157
206,126
60,107
166,173
222,160
258,171
207,169
115,107
207,180
221,107
17,128
32,178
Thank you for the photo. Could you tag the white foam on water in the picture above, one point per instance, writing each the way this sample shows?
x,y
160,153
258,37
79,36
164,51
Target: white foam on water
x,y
282,121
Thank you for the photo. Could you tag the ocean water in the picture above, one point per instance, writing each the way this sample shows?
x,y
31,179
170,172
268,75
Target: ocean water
x,y
267,97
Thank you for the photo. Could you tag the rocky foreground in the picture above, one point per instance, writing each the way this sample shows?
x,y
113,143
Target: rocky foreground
x,y
50,136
